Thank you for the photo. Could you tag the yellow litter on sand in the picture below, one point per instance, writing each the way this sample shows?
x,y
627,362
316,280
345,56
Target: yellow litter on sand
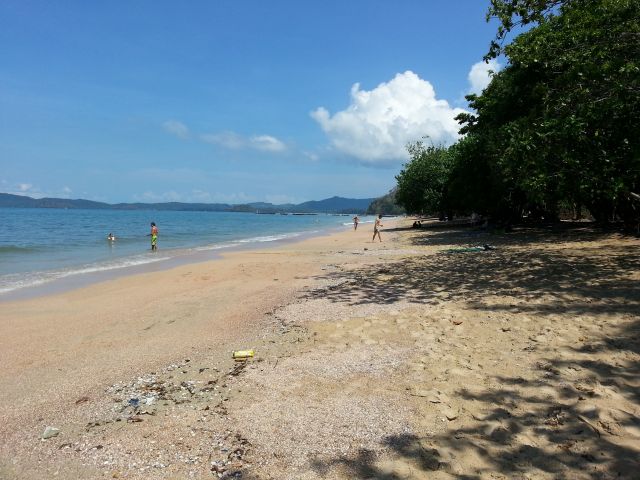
x,y
243,354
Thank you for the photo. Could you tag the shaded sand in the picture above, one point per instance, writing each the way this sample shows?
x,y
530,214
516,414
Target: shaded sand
x,y
376,361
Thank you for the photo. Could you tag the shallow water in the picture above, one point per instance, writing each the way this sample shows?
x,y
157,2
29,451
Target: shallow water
x,y
39,246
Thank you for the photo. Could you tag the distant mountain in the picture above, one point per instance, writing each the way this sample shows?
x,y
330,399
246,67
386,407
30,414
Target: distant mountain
x,y
9,200
336,205
263,207
385,205
175,206
329,205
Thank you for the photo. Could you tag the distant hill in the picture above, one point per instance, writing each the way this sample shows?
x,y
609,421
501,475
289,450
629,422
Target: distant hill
x,y
175,206
336,205
19,201
386,205
329,205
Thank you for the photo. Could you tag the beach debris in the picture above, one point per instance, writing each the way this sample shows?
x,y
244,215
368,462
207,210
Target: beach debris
x,y
228,459
82,400
242,354
133,402
189,386
91,425
456,322
237,370
50,432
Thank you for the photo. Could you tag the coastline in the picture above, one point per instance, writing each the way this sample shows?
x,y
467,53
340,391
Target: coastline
x,y
167,260
57,347
393,358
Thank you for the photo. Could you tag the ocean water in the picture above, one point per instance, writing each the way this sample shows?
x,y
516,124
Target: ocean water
x,y
45,246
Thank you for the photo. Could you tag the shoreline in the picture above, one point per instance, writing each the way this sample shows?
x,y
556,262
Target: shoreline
x,y
176,258
84,338
397,359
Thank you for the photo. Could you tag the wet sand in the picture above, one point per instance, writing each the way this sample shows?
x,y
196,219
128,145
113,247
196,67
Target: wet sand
x,y
373,360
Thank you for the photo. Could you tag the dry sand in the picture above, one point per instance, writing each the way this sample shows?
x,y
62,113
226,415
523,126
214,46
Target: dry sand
x,y
393,360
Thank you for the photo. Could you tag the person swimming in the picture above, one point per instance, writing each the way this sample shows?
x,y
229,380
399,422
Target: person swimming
x,y
111,237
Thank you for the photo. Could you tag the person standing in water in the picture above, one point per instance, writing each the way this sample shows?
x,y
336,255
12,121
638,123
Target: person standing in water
x,y
356,220
376,228
154,237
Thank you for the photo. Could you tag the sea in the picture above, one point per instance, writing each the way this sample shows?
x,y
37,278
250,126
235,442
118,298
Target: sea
x,y
48,250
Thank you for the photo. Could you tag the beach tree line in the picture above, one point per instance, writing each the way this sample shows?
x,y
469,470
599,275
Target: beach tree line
x,y
557,129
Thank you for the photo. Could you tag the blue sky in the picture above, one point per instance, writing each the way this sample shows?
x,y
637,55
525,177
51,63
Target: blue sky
x,y
229,100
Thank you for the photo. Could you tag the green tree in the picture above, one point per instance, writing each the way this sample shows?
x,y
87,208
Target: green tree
x,y
519,13
422,182
560,123
476,183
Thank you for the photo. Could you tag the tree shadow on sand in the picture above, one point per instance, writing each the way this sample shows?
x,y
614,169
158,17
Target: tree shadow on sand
x,y
538,279
525,433
574,432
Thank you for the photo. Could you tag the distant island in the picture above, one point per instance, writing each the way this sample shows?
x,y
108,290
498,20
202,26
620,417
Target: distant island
x,y
335,205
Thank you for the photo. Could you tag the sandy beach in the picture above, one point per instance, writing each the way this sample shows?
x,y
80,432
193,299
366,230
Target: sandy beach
x,y
406,359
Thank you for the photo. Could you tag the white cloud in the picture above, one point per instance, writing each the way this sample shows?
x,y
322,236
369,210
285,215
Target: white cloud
x,y
149,196
314,157
267,143
31,190
226,139
200,196
235,141
232,198
65,192
279,199
195,195
204,196
480,75
176,128
378,124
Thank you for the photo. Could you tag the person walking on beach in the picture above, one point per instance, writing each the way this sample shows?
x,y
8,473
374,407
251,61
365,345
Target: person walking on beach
x,y
376,228
154,237
356,220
